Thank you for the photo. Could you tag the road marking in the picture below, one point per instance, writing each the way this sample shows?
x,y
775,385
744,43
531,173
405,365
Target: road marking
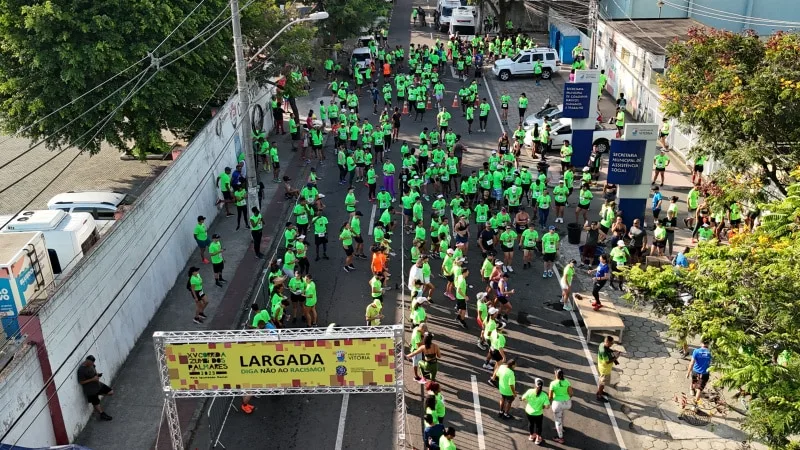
x,y
476,404
431,35
371,220
596,376
494,105
342,418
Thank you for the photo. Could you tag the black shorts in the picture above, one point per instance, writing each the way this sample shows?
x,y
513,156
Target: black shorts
x,y
635,251
320,239
470,120
94,399
561,203
358,239
296,298
496,356
361,165
507,249
348,250
549,257
660,169
461,304
588,251
199,295
502,299
450,278
227,195
586,207
698,167
656,212
508,398
276,165
296,136
699,380
604,229
662,135
218,267
660,244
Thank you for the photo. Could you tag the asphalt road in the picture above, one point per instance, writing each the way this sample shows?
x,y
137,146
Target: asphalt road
x,y
541,337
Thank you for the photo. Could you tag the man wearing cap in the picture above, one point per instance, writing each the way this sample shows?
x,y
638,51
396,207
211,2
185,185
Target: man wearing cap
x,y
215,252
584,200
550,242
619,258
89,380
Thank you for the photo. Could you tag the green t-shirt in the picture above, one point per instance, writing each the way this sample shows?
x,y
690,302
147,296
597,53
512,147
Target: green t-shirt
x,y
320,226
197,282
535,403
216,246
261,316
560,390
505,380
529,238
550,242
347,237
568,273
224,182
200,232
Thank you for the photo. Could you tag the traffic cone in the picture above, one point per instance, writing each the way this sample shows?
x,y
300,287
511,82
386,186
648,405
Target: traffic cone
x,y
455,101
428,105
405,108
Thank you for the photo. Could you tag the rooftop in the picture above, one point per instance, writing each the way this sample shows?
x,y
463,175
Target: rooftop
x,y
644,32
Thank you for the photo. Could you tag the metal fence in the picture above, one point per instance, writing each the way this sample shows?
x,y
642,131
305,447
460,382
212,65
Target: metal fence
x,y
218,412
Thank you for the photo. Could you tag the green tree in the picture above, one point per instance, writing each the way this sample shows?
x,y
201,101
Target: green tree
x,y
54,52
741,94
348,18
744,299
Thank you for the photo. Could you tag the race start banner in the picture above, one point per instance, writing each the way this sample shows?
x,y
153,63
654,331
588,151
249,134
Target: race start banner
x,y
315,363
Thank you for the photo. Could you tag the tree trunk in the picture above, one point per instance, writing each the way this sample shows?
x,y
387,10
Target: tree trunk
x,y
293,104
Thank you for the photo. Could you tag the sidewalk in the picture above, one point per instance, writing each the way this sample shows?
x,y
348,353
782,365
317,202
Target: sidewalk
x,y
137,404
651,376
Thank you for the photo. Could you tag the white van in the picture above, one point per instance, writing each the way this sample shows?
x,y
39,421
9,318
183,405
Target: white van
x,y
445,8
522,63
464,22
360,57
68,236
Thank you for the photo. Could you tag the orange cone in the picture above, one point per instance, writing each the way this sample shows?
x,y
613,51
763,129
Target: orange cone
x,y
405,108
455,101
429,106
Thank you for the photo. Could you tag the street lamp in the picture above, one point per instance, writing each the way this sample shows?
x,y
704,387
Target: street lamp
x,y
244,94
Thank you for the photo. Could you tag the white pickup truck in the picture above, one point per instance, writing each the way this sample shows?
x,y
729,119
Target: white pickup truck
x,y
561,130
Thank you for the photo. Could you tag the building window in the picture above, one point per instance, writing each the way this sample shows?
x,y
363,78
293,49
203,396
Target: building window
x,y
625,55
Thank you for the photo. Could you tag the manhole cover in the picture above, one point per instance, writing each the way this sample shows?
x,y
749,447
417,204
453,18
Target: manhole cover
x,y
695,417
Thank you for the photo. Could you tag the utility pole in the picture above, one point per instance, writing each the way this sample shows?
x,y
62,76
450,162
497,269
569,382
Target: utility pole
x,y
244,107
594,11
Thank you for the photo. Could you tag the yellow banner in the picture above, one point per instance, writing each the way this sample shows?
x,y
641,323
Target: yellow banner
x,y
287,364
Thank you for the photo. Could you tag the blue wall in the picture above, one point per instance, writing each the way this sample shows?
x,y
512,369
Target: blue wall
x,y
563,43
723,14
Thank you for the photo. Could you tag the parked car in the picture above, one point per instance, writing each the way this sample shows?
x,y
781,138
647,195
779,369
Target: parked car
x,y
549,114
561,130
360,57
104,206
522,64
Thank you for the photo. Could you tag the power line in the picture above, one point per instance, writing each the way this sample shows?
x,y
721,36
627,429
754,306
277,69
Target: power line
x,y
191,198
732,14
637,27
715,16
149,55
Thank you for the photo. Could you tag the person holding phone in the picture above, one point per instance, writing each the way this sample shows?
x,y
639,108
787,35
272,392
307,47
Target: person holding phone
x,y
89,380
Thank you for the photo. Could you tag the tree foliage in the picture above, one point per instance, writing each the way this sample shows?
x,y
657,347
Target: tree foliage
x,y
741,94
52,53
744,299
348,17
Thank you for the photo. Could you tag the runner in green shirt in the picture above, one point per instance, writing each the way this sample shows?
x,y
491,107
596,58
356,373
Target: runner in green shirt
x,y
536,402
506,384
346,236
215,252
528,241
566,284
201,237
195,286
550,242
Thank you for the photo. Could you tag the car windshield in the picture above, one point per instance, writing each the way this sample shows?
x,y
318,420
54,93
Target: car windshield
x,y
464,30
447,11
361,57
545,112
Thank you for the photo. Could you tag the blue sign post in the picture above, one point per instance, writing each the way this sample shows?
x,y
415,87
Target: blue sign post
x,y
626,162
578,100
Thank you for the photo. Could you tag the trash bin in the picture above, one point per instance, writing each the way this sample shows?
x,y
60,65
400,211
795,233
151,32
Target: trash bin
x,y
574,233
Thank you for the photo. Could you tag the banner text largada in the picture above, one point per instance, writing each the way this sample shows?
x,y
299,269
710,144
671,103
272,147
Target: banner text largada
x,y
287,364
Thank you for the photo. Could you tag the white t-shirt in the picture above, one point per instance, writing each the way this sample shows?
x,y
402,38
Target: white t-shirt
x,y
414,274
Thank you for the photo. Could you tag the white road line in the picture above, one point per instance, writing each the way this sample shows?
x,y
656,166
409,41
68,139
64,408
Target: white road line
x,y
342,418
494,105
372,220
476,403
596,376
431,35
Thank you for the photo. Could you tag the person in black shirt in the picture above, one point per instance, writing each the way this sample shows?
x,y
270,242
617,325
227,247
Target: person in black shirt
x,y
590,246
486,239
89,380
432,433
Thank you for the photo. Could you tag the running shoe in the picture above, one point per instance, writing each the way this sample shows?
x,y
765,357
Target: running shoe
x,y
346,269
481,345
197,320
510,269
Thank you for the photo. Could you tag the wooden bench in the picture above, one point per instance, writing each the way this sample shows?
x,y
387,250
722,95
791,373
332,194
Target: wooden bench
x,y
606,318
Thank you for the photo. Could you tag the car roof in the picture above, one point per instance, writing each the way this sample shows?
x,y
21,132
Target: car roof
x,y
537,50
87,197
361,50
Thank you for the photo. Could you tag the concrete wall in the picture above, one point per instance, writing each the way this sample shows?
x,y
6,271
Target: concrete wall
x,y
19,384
103,306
